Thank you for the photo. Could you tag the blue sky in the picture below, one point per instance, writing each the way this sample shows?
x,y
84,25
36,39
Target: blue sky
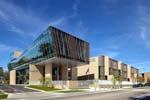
x,y
117,28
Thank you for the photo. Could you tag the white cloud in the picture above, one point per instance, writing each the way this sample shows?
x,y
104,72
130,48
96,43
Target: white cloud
x,y
3,16
78,27
143,66
19,20
105,51
7,48
112,54
16,30
75,8
143,23
142,63
27,24
58,21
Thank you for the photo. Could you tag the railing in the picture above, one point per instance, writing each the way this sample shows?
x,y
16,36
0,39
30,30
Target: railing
x,y
34,82
82,83
59,82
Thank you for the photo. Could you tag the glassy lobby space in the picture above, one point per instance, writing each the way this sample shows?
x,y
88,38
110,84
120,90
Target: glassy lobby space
x,y
54,55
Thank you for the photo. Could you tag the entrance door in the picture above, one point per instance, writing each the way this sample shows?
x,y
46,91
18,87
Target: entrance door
x,y
54,73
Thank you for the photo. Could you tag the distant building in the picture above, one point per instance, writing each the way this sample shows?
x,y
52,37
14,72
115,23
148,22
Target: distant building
x,y
105,68
146,77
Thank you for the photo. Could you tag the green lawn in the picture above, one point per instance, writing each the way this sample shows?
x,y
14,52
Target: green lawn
x,y
45,88
71,91
3,96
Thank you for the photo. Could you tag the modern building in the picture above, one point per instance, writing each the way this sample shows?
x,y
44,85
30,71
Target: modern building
x,y
105,68
54,55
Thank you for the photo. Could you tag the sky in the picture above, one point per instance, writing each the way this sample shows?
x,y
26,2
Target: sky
x,y
117,28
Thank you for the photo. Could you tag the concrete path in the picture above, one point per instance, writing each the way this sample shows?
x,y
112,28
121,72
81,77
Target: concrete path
x,y
15,89
131,94
47,95
33,95
125,94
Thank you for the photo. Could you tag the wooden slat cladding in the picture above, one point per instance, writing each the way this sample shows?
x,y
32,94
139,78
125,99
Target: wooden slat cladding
x,y
70,47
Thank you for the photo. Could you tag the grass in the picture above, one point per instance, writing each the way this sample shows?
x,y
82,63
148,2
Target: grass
x,y
3,96
45,88
71,91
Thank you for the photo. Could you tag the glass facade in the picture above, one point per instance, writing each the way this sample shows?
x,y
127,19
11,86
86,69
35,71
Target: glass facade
x,y
101,69
52,43
22,76
41,49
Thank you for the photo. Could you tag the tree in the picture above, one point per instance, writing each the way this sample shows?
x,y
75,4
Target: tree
x,y
114,80
1,73
6,77
45,81
119,79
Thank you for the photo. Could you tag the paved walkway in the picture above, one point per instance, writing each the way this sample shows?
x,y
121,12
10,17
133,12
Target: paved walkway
x,y
15,89
48,95
34,95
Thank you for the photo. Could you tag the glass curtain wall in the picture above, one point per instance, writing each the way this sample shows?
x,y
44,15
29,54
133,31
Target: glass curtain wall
x,y
41,49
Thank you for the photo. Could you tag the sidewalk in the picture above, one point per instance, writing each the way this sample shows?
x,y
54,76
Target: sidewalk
x,y
54,94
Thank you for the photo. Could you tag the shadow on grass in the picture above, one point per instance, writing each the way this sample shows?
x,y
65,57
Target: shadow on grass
x,y
71,91
44,88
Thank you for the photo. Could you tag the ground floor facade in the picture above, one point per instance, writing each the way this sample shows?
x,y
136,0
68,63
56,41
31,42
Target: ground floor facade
x,y
100,68
33,74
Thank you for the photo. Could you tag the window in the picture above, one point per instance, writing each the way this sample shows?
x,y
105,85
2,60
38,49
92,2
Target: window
x,y
101,72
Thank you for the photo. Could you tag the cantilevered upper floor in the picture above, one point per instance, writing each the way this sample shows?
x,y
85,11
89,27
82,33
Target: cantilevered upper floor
x,y
55,46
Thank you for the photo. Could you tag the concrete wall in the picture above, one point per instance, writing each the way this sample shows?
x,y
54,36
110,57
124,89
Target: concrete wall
x,y
147,77
73,73
119,65
106,65
35,74
64,72
12,77
129,72
89,69
48,71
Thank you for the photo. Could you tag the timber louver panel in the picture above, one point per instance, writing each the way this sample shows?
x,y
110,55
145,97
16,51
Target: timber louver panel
x,y
70,47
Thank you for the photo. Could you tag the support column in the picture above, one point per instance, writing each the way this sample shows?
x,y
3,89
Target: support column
x,y
35,74
119,65
129,72
64,71
74,73
106,66
48,71
12,77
